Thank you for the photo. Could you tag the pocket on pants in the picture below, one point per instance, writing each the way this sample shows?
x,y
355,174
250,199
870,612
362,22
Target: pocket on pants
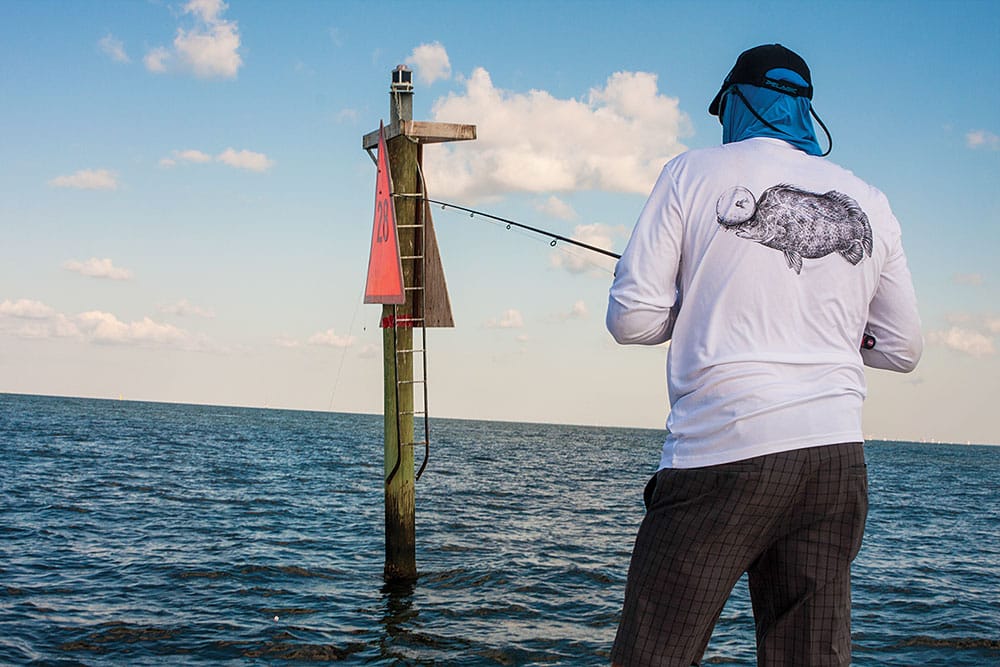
x,y
858,488
676,486
647,493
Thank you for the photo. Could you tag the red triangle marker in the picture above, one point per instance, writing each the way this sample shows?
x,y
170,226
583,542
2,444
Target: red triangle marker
x,y
385,268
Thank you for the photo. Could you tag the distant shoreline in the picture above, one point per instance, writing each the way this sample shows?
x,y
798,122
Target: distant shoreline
x,y
869,439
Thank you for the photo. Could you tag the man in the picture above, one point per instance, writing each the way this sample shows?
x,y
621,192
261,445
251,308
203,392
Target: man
x,y
776,275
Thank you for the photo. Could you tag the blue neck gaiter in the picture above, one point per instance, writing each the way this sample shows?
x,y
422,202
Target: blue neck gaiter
x,y
790,115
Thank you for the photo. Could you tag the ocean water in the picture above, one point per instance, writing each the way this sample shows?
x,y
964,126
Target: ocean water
x,y
143,533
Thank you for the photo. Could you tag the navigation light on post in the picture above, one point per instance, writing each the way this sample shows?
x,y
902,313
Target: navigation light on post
x,y
402,80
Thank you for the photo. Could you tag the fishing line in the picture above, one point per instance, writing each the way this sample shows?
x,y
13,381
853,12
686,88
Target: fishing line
x,y
350,331
564,249
589,260
512,223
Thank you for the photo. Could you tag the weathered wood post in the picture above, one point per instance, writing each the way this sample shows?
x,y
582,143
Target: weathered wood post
x,y
425,305
400,528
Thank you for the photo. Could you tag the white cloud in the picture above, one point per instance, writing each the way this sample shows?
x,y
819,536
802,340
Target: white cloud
x,y
615,139
245,160
212,51
191,155
511,319
988,324
114,49
209,49
331,339
184,308
188,155
982,139
581,260
963,340
347,115
101,327
156,60
286,342
26,318
430,62
87,179
98,268
556,208
33,319
207,10
25,309
971,279
370,351
577,312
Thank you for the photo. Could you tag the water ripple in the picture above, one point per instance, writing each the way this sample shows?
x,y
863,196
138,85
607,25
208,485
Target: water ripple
x,y
135,533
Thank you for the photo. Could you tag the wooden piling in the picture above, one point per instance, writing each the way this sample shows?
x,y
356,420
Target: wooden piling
x,y
400,528
404,138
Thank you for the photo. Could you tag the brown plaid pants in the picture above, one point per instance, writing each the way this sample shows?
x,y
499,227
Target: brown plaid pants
x,y
792,520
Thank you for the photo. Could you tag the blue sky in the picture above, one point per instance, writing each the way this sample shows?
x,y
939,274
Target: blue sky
x,y
186,208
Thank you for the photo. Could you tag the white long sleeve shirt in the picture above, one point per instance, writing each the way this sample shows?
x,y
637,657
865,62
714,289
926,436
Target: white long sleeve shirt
x,y
764,267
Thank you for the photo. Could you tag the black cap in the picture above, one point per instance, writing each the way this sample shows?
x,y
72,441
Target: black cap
x,y
753,65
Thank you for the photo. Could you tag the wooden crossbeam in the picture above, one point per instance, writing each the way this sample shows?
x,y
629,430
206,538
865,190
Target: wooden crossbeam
x,y
423,132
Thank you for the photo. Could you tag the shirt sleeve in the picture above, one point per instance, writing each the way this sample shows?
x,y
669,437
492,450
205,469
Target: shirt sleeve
x,y
893,318
644,299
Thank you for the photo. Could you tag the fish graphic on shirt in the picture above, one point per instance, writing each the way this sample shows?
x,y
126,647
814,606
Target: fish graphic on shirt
x,y
798,223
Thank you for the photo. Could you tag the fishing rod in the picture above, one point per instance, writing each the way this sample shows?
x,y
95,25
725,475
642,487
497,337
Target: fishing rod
x,y
511,223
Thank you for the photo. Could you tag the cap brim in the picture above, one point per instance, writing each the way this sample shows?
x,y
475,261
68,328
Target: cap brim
x,y
713,108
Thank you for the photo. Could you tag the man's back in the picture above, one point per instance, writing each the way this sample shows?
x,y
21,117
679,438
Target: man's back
x,y
782,254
